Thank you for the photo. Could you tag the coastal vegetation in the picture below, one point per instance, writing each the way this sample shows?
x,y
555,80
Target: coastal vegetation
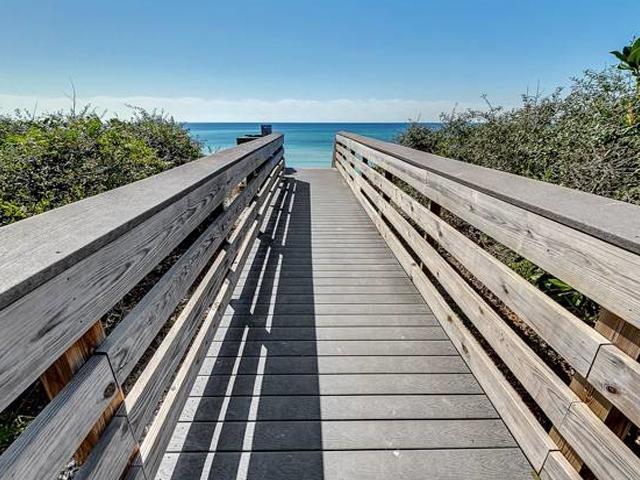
x,y
53,159
587,138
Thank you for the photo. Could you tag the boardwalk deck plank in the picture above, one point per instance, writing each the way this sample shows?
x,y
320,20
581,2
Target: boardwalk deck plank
x,y
328,365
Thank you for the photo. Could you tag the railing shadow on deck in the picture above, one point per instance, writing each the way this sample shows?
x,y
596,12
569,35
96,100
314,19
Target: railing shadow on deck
x,y
260,397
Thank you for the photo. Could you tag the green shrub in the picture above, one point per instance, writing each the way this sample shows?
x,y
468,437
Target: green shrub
x,y
585,140
52,160
588,139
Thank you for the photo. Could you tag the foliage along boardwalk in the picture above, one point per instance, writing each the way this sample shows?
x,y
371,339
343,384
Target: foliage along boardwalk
x,y
329,365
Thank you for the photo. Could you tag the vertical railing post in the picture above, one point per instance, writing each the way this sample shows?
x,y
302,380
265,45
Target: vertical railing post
x,y
627,338
62,371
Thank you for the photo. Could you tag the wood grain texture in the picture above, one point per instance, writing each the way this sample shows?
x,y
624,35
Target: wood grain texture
x,y
606,273
42,324
522,424
601,450
37,249
571,337
132,336
51,439
556,467
111,456
613,221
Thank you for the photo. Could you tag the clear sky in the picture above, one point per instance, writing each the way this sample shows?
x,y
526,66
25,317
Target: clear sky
x,y
301,60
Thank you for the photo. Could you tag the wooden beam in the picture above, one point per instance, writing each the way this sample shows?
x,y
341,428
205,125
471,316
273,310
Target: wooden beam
x,y
627,338
62,371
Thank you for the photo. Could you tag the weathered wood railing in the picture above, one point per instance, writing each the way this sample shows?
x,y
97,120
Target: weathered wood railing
x,y
590,242
62,271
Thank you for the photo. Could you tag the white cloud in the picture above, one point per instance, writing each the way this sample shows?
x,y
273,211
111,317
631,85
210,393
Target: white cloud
x,y
249,110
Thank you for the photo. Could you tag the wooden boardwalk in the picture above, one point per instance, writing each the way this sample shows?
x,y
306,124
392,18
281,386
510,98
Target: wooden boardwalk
x,y
329,365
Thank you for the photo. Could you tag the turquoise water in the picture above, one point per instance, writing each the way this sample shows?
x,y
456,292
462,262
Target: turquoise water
x,y
306,144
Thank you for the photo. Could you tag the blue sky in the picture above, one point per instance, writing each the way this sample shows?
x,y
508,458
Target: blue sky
x,y
301,61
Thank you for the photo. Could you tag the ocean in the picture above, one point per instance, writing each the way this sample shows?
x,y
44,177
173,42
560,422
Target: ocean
x,y
306,144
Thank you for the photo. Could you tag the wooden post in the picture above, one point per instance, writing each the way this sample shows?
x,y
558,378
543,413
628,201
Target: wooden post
x,y
62,371
436,210
627,338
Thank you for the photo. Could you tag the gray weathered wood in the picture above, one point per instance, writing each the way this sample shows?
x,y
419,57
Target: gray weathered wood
x,y
36,249
611,276
476,464
109,459
41,325
315,370
613,221
345,435
617,376
361,407
132,336
51,439
344,384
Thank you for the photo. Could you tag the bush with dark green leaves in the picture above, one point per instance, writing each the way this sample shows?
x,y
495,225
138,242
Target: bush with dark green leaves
x,y
586,139
630,59
55,159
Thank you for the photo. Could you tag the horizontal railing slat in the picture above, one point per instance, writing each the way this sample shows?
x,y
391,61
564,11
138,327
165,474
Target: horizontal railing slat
x,y
133,335
38,327
610,220
154,445
36,249
52,438
111,455
600,449
557,467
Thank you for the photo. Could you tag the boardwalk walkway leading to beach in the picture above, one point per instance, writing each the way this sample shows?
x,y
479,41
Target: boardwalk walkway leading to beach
x,y
329,365
225,320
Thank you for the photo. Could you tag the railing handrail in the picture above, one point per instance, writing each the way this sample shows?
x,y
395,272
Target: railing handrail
x,y
590,415
612,221
36,249
188,233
